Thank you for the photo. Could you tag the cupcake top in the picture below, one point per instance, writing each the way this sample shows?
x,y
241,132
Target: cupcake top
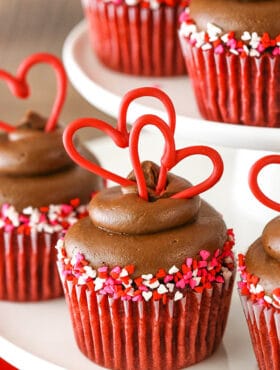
x,y
35,169
246,27
152,235
41,188
123,228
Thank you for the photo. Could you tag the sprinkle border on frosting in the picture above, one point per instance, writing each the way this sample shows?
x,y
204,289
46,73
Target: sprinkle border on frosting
x,y
49,219
197,274
250,287
150,4
214,37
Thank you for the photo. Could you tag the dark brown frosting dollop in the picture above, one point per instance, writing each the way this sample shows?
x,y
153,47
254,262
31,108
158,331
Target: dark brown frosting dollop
x,y
121,210
35,169
263,256
154,240
238,15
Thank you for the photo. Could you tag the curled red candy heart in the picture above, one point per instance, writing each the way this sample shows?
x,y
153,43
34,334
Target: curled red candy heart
x,y
253,180
19,86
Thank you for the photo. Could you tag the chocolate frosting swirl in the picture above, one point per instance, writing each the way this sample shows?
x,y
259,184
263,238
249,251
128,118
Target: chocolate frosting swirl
x,y
35,169
263,257
155,241
238,15
121,210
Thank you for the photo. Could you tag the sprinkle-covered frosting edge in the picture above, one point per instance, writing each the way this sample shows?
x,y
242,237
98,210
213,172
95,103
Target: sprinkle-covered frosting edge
x,y
49,219
250,44
250,287
196,274
150,4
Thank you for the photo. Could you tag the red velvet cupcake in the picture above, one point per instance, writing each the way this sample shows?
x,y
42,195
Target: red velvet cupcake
x,y
148,275
42,193
137,37
232,51
259,287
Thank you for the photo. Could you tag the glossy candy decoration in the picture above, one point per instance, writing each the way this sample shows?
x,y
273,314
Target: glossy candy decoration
x,y
123,139
19,86
253,180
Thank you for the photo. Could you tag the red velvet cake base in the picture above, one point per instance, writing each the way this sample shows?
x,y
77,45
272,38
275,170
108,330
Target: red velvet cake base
x,y
149,335
28,269
136,40
264,328
234,89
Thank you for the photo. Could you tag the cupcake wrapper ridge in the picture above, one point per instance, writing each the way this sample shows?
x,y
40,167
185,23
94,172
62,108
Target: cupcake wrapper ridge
x,y
264,328
140,335
234,89
130,39
28,266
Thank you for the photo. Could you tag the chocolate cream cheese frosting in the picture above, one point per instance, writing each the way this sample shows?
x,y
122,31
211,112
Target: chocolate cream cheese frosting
x,y
35,169
124,229
263,256
238,15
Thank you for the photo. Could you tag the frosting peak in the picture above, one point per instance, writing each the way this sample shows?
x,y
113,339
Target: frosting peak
x,y
121,210
271,238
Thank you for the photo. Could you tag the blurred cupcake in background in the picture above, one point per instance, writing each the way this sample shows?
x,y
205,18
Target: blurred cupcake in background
x,y
42,193
137,37
232,52
259,286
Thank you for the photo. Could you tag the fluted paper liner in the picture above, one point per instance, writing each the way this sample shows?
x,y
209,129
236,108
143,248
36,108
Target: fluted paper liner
x,y
264,328
149,335
28,269
234,89
136,40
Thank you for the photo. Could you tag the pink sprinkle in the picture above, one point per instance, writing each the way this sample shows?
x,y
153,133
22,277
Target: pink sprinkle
x,y
204,254
181,284
189,262
168,278
219,49
103,269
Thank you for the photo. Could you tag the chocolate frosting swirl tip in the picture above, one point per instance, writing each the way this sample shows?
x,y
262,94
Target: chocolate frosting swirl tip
x,y
121,210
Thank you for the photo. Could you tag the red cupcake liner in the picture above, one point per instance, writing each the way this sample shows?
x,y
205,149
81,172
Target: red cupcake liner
x,y
124,334
136,40
264,328
28,269
234,89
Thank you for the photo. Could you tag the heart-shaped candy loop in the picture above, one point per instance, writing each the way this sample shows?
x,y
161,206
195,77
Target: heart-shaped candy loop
x,y
147,92
19,86
167,159
253,180
120,138
218,168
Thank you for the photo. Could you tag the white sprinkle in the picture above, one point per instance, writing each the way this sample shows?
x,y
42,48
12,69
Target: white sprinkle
x,y
124,273
147,296
246,36
170,287
147,276
162,289
178,295
173,270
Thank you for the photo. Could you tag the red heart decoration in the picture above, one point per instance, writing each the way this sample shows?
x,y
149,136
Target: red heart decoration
x,y
253,180
19,86
170,158
120,135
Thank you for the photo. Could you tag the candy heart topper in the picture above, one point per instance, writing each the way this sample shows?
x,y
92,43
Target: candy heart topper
x,y
19,86
253,180
123,139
